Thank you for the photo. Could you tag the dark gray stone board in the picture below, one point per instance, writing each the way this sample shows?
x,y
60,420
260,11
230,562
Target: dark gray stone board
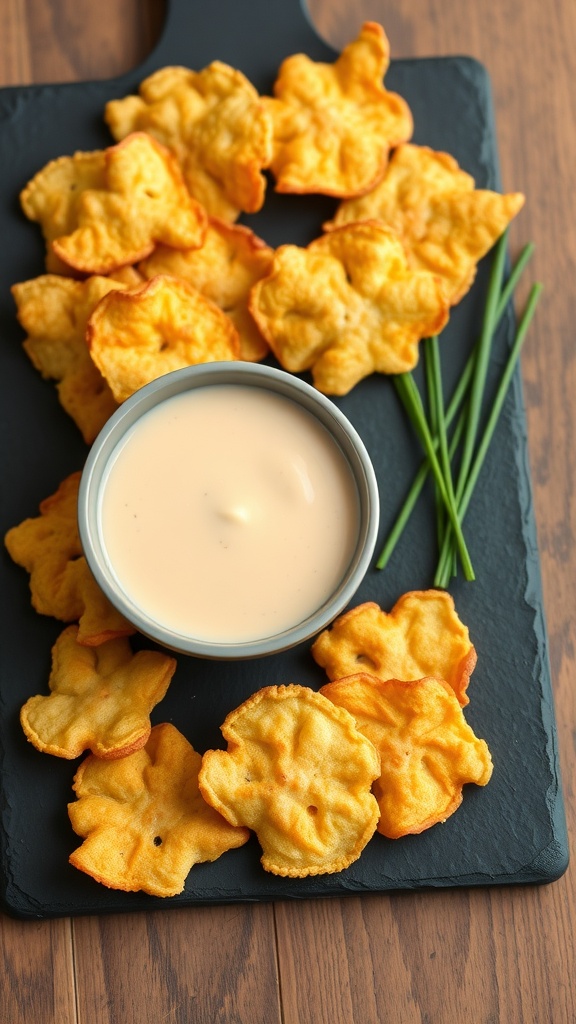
x,y
513,830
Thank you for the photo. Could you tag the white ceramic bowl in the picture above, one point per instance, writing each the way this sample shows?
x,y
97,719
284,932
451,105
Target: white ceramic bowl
x,y
255,375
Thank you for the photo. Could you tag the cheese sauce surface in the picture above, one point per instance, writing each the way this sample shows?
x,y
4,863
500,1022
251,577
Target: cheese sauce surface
x,y
229,513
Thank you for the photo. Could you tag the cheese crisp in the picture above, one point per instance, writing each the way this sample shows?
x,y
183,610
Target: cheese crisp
x,y
445,224
334,124
299,775
347,306
61,583
143,820
51,198
100,698
224,269
421,636
428,752
138,335
215,124
100,211
54,311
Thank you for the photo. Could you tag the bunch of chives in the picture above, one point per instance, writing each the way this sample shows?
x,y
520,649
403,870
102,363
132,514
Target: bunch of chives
x,y
453,495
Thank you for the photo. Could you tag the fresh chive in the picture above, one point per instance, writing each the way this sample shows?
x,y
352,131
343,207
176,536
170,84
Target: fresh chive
x,y
442,431
431,392
515,275
477,389
441,428
526,320
436,407
404,515
451,412
478,383
410,397
423,472
464,501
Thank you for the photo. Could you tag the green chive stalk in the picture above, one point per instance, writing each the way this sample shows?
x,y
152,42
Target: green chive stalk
x,y
452,411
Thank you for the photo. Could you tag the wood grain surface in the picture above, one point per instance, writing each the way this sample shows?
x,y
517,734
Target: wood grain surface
x,y
494,955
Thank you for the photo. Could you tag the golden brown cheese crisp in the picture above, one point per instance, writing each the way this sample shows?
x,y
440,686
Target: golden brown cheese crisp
x,y
347,306
143,820
224,269
216,125
101,211
299,775
427,750
54,311
446,225
139,335
334,124
100,698
61,584
51,198
421,636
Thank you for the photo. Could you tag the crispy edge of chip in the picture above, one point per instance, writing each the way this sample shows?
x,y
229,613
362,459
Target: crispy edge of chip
x,y
254,251
80,858
82,391
98,619
321,646
422,250
64,662
53,504
99,325
373,34
63,247
95,164
331,373
337,689
234,741
245,188
133,113
367,205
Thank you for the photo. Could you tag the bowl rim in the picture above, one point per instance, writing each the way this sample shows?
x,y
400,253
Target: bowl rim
x,y
177,382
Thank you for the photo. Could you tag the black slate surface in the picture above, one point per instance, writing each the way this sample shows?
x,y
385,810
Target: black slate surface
x,y
512,831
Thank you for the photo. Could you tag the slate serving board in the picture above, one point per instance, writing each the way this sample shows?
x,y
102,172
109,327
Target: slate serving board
x,y
512,831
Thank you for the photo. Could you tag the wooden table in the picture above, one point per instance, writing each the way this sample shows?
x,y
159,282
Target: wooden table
x,y
503,954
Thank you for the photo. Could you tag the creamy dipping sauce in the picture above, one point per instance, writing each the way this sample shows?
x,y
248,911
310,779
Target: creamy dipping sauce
x,y
229,514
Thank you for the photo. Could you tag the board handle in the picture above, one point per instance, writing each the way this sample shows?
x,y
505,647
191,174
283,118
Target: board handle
x,y
251,35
